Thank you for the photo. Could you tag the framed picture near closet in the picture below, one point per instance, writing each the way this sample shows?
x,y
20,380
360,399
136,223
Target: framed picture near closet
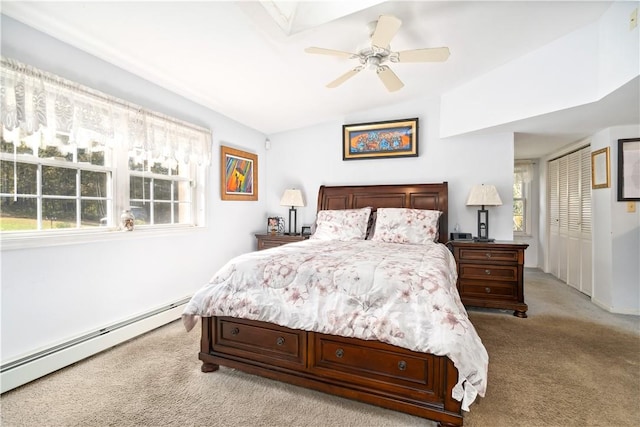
x,y
600,172
629,169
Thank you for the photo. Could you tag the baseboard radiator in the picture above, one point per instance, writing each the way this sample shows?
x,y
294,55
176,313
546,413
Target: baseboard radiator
x,y
26,369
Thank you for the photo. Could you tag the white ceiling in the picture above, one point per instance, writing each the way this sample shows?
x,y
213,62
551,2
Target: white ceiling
x,y
234,58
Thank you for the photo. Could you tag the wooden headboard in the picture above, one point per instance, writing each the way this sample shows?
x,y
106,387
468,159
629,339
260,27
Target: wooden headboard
x,y
416,196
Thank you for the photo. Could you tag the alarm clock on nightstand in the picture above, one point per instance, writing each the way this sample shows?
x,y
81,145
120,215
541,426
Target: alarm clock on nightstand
x,y
460,236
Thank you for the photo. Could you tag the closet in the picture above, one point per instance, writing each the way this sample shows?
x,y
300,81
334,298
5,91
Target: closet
x,y
569,216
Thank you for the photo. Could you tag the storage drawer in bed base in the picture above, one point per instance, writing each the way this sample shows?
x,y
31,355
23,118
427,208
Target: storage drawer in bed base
x,y
425,394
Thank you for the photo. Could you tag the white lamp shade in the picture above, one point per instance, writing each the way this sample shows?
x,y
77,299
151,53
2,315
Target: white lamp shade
x,y
292,197
484,195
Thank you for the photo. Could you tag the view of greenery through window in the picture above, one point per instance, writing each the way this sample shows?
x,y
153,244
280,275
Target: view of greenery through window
x,y
70,188
54,188
518,203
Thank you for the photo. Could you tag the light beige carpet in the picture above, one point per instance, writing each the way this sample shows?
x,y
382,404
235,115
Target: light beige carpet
x,y
569,364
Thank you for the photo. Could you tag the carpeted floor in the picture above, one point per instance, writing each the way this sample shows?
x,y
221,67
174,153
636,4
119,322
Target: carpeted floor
x,y
569,364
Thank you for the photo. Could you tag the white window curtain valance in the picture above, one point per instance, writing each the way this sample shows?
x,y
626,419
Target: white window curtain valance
x,y
523,170
38,103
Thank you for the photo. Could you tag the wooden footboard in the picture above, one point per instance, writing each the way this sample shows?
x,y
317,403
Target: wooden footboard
x,y
368,371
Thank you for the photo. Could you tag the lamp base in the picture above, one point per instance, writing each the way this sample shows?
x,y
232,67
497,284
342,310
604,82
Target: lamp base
x,y
293,212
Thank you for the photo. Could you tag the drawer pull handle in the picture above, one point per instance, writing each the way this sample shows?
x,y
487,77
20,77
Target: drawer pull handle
x,y
339,353
280,341
487,272
235,331
487,290
402,365
488,254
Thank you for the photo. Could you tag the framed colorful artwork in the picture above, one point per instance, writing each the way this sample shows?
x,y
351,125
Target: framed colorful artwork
x,y
238,174
394,138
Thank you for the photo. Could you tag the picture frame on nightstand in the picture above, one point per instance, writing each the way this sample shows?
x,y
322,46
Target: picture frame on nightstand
x,y
275,225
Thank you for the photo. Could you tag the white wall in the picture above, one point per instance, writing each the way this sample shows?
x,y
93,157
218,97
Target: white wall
x,y
55,293
616,235
462,161
560,75
579,68
619,47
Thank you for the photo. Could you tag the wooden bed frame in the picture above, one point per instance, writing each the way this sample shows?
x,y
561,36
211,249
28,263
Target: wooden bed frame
x,y
369,371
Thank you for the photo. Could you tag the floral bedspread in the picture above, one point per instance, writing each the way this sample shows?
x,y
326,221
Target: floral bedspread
x,y
401,294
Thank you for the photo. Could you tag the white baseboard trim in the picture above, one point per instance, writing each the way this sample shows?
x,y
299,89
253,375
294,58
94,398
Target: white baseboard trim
x,y
17,374
616,310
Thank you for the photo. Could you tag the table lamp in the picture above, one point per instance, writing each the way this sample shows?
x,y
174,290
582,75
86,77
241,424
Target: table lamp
x,y
483,195
292,197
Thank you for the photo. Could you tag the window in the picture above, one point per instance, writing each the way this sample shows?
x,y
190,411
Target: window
x,y
75,158
522,174
51,187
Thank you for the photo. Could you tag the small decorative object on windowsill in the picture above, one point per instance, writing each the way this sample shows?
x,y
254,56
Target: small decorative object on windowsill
x,y
127,220
292,197
482,195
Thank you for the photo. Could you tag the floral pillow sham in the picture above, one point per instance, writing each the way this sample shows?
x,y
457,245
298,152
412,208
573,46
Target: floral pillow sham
x,y
344,225
404,225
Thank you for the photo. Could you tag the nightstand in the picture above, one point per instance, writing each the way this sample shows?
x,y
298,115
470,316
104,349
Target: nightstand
x,y
490,274
266,241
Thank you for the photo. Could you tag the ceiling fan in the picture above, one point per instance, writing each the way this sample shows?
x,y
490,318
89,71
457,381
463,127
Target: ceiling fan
x,y
380,52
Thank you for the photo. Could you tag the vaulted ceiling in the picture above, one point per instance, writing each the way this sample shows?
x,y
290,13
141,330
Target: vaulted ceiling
x,y
246,59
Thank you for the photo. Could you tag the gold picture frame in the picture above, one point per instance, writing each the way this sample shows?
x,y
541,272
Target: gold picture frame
x,y
238,174
600,170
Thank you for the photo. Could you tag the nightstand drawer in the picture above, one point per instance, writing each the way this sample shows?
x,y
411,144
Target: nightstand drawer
x,y
488,272
266,241
266,244
493,255
488,289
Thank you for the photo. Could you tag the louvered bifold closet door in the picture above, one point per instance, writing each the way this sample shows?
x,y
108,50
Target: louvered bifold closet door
x,y
554,216
585,180
574,212
586,252
569,219
563,224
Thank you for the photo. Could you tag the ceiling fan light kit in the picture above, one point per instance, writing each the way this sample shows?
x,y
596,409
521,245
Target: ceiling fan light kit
x,y
380,52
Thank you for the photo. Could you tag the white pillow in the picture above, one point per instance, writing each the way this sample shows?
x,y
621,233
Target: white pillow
x,y
345,224
404,225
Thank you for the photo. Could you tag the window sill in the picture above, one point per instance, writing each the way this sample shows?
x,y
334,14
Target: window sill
x,y
29,240
522,235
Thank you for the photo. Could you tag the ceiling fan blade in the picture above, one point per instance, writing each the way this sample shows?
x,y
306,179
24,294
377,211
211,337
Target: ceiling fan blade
x,y
436,54
389,78
386,28
322,51
343,78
